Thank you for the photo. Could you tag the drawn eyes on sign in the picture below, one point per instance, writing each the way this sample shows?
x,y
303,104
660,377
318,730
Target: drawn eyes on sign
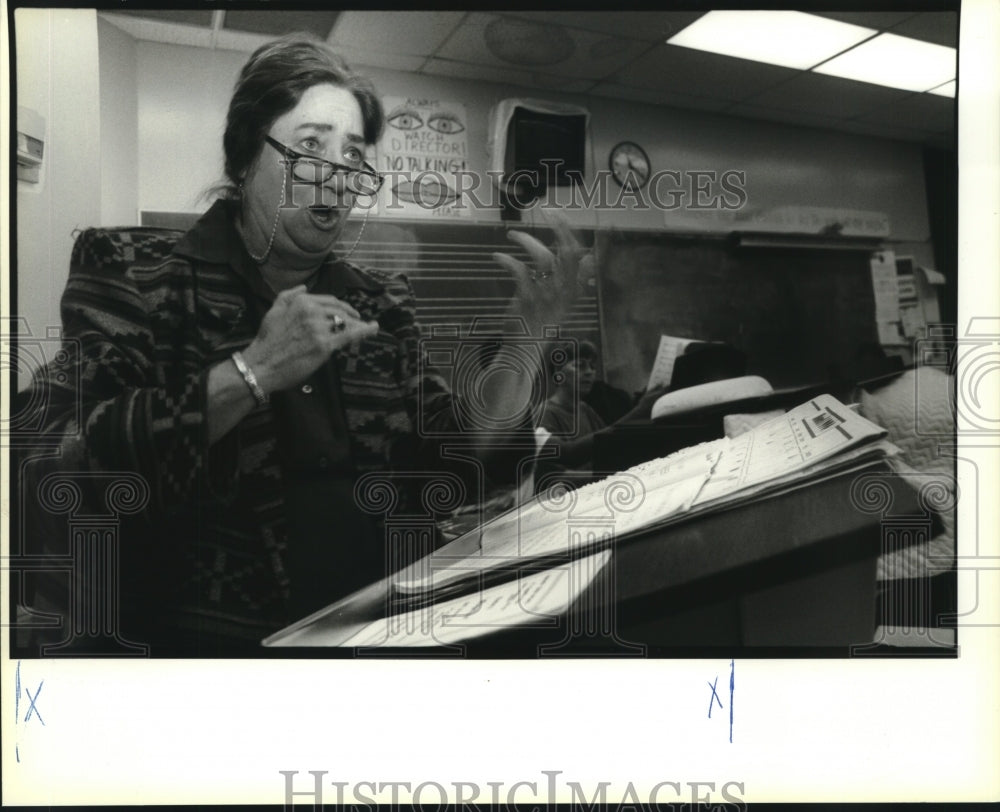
x,y
403,118
446,123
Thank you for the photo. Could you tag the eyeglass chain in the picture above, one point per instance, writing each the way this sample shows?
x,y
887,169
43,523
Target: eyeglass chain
x,y
274,227
361,231
274,230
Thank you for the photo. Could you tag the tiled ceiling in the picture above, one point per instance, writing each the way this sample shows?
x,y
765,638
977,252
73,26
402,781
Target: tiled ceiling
x,y
620,54
287,22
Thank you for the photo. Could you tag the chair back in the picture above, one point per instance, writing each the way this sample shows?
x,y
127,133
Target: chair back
x,y
116,248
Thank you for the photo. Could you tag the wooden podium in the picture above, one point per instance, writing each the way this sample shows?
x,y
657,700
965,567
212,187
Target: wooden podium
x,y
791,571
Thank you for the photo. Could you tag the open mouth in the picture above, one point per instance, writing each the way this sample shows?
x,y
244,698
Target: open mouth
x,y
324,216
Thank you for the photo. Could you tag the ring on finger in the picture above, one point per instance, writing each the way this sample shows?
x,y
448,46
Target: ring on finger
x,y
337,325
551,270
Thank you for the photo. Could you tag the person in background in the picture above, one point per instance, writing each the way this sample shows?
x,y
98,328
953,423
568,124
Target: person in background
x,y
253,374
566,412
568,425
610,402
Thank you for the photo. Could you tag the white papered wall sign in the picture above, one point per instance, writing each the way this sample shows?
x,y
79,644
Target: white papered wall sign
x,y
423,154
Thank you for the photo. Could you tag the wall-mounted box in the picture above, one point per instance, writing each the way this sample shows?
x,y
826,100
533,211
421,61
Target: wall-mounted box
x,y
30,144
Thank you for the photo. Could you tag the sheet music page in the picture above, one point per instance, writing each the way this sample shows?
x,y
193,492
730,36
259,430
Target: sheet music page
x,y
537,598
681,464
666,354
810,433
669,499
657,488
662,488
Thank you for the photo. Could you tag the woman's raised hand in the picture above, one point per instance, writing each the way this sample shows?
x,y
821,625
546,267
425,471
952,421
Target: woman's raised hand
x,y
548,287
299,333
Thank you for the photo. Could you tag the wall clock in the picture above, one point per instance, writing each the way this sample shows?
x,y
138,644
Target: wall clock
x,y
629,164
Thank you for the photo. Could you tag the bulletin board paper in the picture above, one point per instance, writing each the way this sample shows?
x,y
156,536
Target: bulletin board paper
x,y
886,286
423,154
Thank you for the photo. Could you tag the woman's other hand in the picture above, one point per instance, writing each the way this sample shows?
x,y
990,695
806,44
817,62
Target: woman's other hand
x,y
548,287
299,333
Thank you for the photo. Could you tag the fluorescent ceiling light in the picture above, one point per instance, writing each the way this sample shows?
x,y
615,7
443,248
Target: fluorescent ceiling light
x,y
947,89
894,61
787,38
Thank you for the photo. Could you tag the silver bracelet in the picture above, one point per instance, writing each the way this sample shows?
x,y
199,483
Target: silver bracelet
x,y
251,380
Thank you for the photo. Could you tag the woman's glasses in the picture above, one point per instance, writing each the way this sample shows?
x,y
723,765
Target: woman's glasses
x,y
310,169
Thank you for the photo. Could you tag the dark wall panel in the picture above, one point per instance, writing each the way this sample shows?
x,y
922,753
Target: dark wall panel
x,y
800,315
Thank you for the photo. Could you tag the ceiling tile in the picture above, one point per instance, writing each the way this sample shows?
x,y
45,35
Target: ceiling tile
x,y
417,33
940,27
159,31
924,111
870,19
466,44
357,57
830,96
482,73
598,56
564,84
698,73
240,40
184,16
649,26
665,97
275,23
588,55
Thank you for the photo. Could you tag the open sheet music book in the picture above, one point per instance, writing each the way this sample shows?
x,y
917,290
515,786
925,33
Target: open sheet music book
x,y
814,439
531,599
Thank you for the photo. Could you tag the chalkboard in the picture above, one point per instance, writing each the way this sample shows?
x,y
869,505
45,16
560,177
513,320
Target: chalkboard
x,y
799,315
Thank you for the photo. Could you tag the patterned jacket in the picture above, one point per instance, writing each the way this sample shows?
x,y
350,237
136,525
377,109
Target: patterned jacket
x,y
208,553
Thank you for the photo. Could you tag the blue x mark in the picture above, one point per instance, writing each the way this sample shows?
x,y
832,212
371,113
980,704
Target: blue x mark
x,y
715,697
32,709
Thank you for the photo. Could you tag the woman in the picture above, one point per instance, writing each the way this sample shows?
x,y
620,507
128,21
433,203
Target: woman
x,y
252,376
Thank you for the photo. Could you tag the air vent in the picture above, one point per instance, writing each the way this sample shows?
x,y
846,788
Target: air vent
x,y
524,43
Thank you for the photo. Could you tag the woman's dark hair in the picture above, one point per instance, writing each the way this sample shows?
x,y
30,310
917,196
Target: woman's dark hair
x,y
272,83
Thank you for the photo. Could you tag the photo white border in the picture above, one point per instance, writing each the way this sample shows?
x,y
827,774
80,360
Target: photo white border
x,y
836,730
